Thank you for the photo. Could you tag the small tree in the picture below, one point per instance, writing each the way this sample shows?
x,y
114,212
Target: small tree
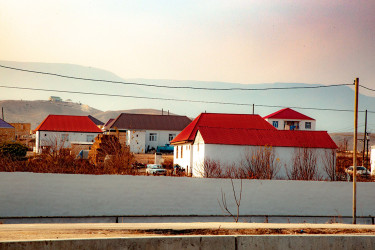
x,y
237,199
304,166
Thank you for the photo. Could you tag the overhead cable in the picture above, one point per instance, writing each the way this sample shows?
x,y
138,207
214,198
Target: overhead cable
x,y
174,99
171,87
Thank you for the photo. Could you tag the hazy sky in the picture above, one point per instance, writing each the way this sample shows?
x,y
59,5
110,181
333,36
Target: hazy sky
x,y
318,41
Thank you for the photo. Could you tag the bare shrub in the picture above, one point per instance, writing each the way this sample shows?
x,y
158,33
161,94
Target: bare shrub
x,y
224,206
119,161
210,169
261,163
304,166
329,164
343,144
234,172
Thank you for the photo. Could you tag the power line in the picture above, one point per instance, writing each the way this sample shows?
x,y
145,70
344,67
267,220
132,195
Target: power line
x,y
168,86
173,99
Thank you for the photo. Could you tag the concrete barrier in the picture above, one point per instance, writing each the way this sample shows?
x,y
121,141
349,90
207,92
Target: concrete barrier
x,y
204,242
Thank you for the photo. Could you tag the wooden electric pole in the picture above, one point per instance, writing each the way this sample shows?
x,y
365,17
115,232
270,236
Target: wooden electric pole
x,y
356,82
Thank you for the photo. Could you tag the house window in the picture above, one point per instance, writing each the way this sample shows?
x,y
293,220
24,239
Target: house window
x,y
307,125
65,137
153,136
90,138
182,153
275,124
171,137
176,152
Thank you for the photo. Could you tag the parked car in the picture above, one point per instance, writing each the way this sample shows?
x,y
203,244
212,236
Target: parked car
x,y
360,171
155,169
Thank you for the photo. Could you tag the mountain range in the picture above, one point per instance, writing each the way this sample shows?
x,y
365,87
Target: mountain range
x,y
92,97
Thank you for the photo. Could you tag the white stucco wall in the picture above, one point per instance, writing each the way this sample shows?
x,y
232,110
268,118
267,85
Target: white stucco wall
x,y
162,138
136,140
301,123
56,141
229,155
183,156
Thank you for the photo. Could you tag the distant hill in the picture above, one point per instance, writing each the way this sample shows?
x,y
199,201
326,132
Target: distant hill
x,y
35,112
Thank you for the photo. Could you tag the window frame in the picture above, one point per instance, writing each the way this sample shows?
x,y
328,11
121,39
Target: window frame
x,y
275,123
308,125
153,137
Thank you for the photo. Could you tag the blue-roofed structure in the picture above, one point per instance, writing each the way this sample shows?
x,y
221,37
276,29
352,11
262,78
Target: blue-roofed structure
x,y
7,131
4,124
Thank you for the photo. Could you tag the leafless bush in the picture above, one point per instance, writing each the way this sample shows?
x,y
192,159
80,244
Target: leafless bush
x,y
119,161
261,163
224,206
234,172
210,169
343,144
304,166
329,166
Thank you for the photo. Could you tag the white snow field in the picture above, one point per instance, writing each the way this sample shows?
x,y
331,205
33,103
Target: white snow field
x,y
31,194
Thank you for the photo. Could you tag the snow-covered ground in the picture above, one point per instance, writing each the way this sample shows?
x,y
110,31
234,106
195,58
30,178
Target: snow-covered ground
x,y
30,194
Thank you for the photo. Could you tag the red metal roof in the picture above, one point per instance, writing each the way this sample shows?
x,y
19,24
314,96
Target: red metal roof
x,y
275,138
288,113
222,121
68,123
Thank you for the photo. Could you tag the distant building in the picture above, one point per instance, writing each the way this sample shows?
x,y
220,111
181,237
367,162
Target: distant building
x,y
289,119
55,99
23,130
143,133
7,131
60,131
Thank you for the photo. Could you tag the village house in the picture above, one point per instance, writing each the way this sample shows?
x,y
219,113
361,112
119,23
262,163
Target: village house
x,y
183,143
7,131
229,138
143,133
61,131
289,119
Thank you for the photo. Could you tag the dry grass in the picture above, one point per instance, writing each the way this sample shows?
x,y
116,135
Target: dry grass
x,y
115,233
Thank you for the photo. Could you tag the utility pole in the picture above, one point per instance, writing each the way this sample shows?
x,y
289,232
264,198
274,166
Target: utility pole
x,y
356,82
364,163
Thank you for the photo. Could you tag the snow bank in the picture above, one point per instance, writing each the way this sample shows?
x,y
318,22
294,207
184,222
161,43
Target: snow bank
x,y
30,194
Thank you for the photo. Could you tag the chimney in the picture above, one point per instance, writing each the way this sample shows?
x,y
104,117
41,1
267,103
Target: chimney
x,y
162,112
168,111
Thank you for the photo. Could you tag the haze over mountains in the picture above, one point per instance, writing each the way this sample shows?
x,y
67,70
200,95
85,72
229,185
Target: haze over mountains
x,y
323,98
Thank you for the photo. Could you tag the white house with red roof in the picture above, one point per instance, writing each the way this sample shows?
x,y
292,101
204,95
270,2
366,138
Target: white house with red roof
x,y
229,138
184,142
289,119
59,131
